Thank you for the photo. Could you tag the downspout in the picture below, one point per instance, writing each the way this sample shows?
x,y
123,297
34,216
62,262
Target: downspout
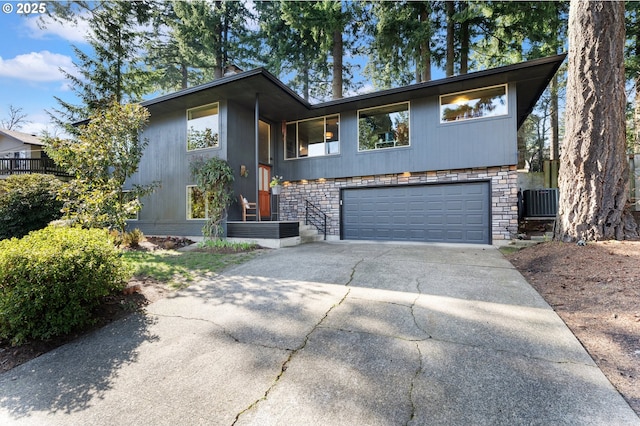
x,y
257,163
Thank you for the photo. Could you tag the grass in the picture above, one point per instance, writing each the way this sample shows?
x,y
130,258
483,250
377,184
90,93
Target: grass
x,y
224,244
178,269
509,249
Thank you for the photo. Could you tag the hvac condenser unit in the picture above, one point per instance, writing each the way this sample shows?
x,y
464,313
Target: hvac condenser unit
x,y
541,202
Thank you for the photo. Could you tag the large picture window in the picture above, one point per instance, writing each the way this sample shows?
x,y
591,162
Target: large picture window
x,y
486,102
383,127
202,127
313,138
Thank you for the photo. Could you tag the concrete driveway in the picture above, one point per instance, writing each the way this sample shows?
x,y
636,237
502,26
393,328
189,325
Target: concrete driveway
x,y
329,334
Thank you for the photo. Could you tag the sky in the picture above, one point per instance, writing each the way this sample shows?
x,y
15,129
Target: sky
x,y
30,61
31,57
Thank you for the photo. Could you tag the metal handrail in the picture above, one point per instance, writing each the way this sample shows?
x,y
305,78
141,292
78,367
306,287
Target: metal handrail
x,y
316,217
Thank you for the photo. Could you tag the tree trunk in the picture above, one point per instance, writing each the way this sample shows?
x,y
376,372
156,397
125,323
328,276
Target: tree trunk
x,y
636,110
636,119
336,83
554,142
305,80
450,38
594,174
464,45
554,148
184,72
423,57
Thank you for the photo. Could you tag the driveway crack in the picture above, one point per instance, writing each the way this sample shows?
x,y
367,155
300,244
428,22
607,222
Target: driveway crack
x,y
353,272
412,385
224,331
285,364
413,311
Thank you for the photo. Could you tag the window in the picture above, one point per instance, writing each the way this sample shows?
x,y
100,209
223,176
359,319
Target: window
x,y
313,138
383,127
202,127
487,102
264,142
196,203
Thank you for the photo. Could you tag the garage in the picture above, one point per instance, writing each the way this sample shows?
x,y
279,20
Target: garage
x,y
449,213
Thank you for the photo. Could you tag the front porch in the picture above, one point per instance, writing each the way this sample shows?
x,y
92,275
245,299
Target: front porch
x,y
272,234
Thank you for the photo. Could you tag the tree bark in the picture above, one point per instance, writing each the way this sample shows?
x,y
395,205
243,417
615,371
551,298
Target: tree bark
x,y
554,142
594,174
423,62
450,5
464,44
184,73
336,82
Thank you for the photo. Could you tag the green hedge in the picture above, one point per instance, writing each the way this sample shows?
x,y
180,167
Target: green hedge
x,y
28,202
52,279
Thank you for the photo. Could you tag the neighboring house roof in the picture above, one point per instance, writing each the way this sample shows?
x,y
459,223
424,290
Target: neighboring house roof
x,y
278,102
25,138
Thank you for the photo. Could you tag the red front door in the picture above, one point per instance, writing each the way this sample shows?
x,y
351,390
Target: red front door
x,y
264,199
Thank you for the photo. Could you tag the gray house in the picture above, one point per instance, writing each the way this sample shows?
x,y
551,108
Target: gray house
x,y
434,161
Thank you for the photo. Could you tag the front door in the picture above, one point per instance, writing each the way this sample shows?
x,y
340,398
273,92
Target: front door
x,y
264,199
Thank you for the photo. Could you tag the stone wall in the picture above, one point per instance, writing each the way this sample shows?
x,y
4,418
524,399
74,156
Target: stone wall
x,y
325,194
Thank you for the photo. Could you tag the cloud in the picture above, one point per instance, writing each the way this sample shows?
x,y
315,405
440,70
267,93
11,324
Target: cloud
x,y
45,27
36,66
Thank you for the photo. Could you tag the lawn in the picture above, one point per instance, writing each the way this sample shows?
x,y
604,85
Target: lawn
x,y
178,269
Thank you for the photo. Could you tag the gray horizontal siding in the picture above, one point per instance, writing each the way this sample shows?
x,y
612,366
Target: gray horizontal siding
x,y
182,229
475,143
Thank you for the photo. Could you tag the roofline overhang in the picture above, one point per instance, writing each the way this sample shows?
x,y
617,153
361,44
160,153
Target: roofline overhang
x,y
432,86
558,59
228,80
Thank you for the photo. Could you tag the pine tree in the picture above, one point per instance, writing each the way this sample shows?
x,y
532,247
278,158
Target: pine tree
x,y
400,50
594,170
113,71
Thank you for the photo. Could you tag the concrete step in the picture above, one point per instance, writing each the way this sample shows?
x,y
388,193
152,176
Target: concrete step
x,y
309,233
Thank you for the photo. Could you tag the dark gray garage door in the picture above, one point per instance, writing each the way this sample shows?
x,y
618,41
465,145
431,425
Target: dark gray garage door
x,y
457,213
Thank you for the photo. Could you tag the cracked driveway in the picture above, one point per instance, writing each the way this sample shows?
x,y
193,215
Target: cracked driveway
x,y
329,334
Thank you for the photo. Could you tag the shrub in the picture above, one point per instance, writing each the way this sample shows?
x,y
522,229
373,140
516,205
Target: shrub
x,y
52,279
28,202
132,238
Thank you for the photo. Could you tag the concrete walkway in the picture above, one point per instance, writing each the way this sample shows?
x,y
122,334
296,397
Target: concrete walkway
x,y
329,334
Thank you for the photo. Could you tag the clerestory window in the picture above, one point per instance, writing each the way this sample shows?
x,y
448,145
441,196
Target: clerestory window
x,y
479,103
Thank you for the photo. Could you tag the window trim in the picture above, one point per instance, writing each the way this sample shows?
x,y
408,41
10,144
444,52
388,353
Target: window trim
x,y
506,94
188,209
324,117
408,103
186,139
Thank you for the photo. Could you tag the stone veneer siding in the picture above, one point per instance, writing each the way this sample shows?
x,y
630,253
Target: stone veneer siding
x,y
325,193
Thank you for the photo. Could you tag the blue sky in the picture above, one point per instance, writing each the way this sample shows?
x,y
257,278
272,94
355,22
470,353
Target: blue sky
x,y
30,62
30,59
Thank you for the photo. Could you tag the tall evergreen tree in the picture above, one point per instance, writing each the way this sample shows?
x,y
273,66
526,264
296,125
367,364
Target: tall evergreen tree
x,y
330,23
291,51
594,170
114,70
212,35
632,68
400,50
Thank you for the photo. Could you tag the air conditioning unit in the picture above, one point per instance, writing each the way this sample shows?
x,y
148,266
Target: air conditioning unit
x,y
541,202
